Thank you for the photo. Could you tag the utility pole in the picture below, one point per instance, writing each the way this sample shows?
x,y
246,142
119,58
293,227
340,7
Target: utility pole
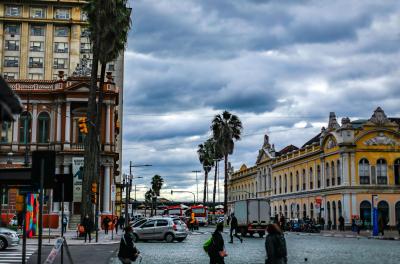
x,y
197,185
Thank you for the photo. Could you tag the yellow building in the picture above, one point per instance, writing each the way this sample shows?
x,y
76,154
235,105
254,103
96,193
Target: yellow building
x,y
337,172
242,184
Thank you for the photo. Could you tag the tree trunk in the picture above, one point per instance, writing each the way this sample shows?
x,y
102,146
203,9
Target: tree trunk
x,y
226,185
90,171
155,206
215,183
205,187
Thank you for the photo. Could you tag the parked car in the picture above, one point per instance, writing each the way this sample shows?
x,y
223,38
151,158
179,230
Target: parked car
x,y
138,222
161,228
8,238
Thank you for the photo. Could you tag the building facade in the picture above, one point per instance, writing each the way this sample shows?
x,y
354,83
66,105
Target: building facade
x,y
337,172
42,37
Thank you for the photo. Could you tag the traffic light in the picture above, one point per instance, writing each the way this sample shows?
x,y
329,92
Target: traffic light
x,y
93,193
82,125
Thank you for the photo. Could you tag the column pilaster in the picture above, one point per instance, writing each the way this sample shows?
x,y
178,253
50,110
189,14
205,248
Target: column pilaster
x,y
106,190
67,139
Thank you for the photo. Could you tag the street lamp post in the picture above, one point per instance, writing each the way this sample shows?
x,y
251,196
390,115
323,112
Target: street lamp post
x,y
197,184
194,196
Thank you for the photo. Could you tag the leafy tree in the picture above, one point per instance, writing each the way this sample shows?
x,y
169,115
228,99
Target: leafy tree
x,y
147,200
206,158
156,184
226,128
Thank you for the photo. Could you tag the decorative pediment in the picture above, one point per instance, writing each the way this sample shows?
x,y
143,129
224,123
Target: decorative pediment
x,y
381,140
78,87
330,144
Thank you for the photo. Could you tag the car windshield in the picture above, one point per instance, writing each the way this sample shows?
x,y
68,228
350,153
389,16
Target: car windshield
x,y
138,223
174,211
198,210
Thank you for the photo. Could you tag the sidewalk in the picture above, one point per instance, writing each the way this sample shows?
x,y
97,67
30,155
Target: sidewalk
x,y
365,234
72,239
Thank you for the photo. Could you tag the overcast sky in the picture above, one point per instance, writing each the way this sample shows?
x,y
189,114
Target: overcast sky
x,y
280,66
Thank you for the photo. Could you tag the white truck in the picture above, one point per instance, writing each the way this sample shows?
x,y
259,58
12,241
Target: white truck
x,y
253,215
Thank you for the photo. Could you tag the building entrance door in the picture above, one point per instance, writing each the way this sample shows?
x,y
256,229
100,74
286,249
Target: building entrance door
x,y
77,208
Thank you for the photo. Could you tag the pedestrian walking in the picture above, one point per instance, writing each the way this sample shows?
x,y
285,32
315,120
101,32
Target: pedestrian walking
x,y
275,245
329,224
116,223
282,222
341,223
234,228
106,222
127,250
216,250
88,226
121,222
64,224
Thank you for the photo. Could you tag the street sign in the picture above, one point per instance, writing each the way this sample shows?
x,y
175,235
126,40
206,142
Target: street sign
x,y
113,192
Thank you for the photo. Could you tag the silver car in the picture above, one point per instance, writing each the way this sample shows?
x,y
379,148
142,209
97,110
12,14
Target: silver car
x,y
8,238
161,228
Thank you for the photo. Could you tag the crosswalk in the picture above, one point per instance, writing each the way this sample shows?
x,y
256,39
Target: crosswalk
x,y
14,254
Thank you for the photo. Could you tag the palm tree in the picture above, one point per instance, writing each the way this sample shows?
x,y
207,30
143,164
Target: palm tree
x,y
205,153
109,23
156,184
147,200
217,156
226,129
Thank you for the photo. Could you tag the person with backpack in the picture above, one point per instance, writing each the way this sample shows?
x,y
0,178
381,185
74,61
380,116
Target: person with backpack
x,y
275,246
64,224
127,250
234,227
215,248
88,226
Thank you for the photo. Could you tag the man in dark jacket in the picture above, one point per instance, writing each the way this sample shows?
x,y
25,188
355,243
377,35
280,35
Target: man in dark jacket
x,y
234,227
275,246
106,224
127,250
217,249
88,225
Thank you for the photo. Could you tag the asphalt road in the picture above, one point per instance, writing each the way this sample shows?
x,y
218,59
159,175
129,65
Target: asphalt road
x,y
81,254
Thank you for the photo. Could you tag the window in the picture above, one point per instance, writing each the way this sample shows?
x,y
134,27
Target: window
x,y
43,127
381,171
327,174
319,176
11,61
38,12
37,30
25,128
35,62
297,181
84,16
12,29
311,210
12,45
333,173
311,179
6,132
61,31
60,63
10,75
85,48
291,182
339,172
280,184
365,212
111,67
13,11
36,46
304,210
62,13
397,212
162,223
35,76
4,199
363,171
60,47
397,172
85,33
285,183
274,185
304,179
383,211
148,224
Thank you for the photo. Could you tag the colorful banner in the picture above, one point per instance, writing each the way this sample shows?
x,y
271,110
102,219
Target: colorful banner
x,y
77,172
31,216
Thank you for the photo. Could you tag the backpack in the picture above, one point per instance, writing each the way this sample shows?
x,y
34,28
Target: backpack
x,y
280,247
207,244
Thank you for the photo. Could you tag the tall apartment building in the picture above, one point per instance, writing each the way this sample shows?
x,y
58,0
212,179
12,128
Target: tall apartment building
x,y
39,38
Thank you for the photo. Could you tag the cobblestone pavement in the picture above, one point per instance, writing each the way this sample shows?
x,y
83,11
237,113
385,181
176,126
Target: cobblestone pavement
x,y
316,249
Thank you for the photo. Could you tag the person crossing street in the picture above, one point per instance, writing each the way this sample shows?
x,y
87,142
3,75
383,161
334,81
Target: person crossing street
x,y
234,227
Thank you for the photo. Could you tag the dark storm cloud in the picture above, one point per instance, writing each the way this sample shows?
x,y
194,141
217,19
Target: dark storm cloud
x,y
281,66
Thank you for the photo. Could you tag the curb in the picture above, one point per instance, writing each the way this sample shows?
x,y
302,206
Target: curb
x,y
344,236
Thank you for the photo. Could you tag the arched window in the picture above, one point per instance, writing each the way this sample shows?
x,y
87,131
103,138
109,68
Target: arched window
x,y
333,173
381,171
275,210
304,210
363,171
311,179
285,183
397,171
339,172
365,213
280,209
304,179
280,184
334,214
327,174
319,176
43,128
383,211
312,210
275,185
298,211
292,211
328,210
286,211
25,122
339,207
6,132
397,210
297,181
291,180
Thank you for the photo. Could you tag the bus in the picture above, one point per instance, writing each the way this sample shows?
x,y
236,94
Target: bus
x,y
200,213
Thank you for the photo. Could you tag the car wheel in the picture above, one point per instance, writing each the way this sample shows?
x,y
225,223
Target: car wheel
x,y
180,239
3,243
169,238
135,238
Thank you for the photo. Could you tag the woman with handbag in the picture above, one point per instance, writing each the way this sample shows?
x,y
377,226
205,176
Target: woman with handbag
x,y
127,250
216,250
